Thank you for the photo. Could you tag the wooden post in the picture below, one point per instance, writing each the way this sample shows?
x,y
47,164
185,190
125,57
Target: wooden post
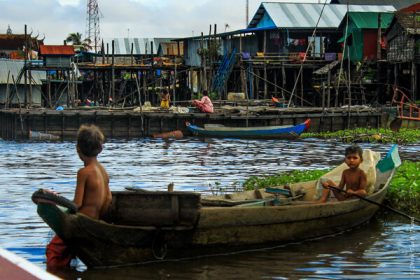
x,y
283,80
265,65
329,89
413,81
301,88
203,62
24,67
113,73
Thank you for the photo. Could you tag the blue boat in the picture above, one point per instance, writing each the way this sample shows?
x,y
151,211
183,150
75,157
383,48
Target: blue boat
x,y
258,132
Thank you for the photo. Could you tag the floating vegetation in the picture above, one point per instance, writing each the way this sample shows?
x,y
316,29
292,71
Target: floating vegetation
x,y
404,190
288,177
404,136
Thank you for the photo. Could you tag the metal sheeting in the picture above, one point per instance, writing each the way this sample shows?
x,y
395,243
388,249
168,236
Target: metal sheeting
x,y
140,45
298,15
398,4
14,66
370,20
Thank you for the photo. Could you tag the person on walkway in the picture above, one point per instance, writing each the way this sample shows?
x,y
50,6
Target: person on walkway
x,y
92,195
353,178
165,99
204,105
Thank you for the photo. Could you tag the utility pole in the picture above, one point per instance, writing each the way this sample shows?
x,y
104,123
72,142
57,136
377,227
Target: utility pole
x,y
92,24
246,13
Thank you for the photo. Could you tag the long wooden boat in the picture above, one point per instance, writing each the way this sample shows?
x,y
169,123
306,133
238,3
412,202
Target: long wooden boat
x,y
263,132
144,226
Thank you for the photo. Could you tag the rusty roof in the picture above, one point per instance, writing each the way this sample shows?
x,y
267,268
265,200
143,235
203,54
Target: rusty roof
x,y
410,21
14,42
56,50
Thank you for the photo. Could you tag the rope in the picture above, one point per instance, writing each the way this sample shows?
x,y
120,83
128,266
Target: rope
x,y
306,53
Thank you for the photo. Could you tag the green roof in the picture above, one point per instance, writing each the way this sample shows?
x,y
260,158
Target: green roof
x,y
370,19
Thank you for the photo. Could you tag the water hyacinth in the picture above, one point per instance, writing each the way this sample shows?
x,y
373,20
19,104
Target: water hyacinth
x,y
404,136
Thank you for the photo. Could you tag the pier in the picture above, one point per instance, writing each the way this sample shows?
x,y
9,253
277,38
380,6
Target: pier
x,y
131,123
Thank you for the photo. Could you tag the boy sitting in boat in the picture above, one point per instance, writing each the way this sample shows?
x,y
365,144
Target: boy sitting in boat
x,y
353,178
92,196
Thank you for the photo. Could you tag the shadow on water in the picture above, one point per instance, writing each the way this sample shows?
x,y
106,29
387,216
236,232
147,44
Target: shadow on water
x,y
386,247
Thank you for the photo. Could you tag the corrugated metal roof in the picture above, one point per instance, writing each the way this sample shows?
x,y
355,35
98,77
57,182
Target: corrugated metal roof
x,y
299,15
370,20
140,45
56,50
14,66
398,4
409,21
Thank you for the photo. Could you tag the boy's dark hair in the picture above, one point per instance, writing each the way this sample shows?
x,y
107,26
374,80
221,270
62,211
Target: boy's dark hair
x,y
205,93
164,91
354,149
90,139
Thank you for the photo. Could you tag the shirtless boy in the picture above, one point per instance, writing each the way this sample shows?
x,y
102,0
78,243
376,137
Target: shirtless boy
x,y
353,178
92,196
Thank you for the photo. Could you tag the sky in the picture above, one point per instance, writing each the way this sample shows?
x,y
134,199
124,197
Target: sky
x,y
55,19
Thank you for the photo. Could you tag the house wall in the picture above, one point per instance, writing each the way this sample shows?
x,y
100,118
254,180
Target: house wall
x,y
59,61
370,38
36,94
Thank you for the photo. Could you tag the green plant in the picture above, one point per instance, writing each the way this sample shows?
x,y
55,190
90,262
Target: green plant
x,y
381,135
255,182
404,189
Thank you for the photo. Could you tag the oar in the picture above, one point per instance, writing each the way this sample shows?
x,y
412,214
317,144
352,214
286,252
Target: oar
x,y
379,204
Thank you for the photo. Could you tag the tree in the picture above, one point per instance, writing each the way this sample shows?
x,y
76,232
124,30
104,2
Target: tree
x,y
76,40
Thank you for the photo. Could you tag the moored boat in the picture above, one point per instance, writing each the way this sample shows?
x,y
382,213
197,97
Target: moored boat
x,y
262,132
144,226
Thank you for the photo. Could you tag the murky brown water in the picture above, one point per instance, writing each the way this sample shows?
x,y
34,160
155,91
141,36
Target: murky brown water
x,y
388,247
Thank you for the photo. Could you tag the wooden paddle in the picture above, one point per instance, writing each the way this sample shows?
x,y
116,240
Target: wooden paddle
x,y
379,204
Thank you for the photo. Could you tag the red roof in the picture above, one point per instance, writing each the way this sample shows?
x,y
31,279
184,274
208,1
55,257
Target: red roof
x,y
412,8
56,50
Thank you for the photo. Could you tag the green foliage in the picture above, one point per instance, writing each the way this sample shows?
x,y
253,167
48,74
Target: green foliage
x,y
294,176
381,135
404,190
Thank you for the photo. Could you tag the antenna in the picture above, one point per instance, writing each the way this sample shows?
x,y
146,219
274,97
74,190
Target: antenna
x,y
92,24
246,13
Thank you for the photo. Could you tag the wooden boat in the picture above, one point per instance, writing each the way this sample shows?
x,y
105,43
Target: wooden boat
x,y
14,267
145,226
407,112
263,132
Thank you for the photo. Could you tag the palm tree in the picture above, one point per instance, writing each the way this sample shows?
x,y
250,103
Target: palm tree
x,y
76,40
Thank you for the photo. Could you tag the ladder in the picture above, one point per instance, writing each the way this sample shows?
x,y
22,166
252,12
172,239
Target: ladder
x,y
223,72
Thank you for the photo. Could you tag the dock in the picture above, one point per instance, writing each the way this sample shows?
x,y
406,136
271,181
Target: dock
x,y
134,123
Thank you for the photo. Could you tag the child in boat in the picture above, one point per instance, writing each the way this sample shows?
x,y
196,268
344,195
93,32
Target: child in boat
x,y
204,105
353,178
92,196
165,99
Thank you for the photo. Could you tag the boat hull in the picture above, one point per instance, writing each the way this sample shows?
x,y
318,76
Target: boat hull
x,y
269,132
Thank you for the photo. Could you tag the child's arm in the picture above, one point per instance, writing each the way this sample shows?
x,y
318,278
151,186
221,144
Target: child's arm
x,y
80,188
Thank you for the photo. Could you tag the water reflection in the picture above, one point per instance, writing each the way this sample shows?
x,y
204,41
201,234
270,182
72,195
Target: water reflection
x,y
385,248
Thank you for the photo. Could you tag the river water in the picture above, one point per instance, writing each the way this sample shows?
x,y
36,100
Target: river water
x,y
386,248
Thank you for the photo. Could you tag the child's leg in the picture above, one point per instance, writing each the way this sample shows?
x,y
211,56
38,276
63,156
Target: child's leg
x,y
324,196
58,254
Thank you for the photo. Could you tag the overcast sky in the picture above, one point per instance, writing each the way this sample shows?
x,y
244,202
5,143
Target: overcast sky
x,y
126,18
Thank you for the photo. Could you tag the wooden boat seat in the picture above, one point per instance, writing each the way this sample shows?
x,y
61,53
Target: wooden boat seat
x,y
154,208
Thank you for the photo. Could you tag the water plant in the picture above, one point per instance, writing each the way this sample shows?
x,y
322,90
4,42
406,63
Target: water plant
x,y
404,190
382,135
